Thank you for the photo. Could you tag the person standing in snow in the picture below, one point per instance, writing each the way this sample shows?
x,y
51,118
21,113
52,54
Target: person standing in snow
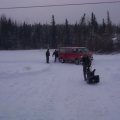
x,y
55,53
86,62
47,56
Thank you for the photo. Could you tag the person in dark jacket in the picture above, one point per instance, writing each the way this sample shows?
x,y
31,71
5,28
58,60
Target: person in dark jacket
x,y
55,53
86,62
47,56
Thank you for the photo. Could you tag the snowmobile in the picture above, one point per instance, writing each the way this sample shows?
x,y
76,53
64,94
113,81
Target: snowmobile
x,y
91,77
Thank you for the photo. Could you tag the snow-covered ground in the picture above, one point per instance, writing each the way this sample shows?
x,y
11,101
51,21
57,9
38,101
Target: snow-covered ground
x,y
30,89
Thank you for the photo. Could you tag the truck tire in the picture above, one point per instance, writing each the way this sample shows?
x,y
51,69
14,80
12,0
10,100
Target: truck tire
x,y
62,60
77,61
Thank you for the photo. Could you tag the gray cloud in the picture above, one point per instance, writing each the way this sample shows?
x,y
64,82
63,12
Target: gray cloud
x,y
72,13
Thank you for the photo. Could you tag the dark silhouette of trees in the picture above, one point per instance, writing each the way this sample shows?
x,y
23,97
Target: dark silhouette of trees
x,y
117,41
96,37
66,34
107,36
53,34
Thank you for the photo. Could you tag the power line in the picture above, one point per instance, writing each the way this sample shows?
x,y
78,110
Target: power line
x,y
78,4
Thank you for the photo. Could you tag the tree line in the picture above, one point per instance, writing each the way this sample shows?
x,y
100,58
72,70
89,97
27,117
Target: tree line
x,y
104,37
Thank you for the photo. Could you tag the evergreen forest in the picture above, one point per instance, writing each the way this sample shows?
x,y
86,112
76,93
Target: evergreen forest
x,y
98,38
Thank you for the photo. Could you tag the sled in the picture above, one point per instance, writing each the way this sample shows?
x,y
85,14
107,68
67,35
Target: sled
x,y
91,77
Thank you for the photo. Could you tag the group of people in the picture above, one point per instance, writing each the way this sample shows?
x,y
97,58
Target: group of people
x,y
55,53
86,62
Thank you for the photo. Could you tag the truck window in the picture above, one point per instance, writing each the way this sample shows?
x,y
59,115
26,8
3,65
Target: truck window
x,y
74,50
62,50
68,50
85,50
80,51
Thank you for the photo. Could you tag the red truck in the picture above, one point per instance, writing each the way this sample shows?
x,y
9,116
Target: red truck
x,y
73,54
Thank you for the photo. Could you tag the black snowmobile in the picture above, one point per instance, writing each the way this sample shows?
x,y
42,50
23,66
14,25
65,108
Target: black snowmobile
x,y
91,77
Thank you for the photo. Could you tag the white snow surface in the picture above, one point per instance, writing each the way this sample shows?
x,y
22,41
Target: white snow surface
x,y
31,89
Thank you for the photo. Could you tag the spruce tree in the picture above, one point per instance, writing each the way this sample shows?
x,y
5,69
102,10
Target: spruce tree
x,y
66,34
54,33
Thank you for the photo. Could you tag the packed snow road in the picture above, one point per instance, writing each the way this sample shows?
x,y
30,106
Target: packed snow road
x,y
31,89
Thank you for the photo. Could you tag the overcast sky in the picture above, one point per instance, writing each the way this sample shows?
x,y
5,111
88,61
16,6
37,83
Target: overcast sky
x,y
72,13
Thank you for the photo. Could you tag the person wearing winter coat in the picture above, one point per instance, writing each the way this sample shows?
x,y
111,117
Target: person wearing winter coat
x,y
55,53
47,56
86,62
